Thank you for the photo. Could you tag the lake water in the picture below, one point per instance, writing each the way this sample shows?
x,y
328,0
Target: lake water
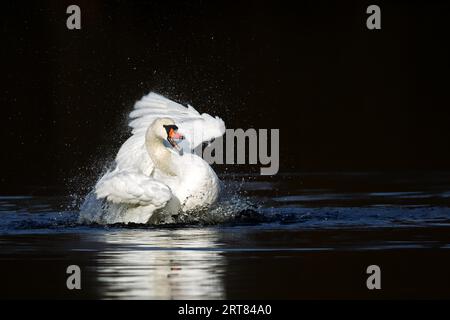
x,y
293,236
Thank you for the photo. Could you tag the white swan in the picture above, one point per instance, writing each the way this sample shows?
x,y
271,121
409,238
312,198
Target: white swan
x,y
154,177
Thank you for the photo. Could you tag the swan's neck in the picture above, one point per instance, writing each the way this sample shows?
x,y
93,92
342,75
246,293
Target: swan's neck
x,y
160,155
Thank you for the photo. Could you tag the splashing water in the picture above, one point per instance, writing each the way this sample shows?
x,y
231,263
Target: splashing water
x,y
232,206
298,218
306,201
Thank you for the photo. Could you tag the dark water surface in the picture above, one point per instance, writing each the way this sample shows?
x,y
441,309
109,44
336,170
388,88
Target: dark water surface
x,y
298,236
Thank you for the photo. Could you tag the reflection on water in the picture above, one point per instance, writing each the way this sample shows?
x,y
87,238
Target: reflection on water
x,y
309,236
166,264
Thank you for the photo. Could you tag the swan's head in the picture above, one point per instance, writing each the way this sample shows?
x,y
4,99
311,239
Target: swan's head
x,y
165,129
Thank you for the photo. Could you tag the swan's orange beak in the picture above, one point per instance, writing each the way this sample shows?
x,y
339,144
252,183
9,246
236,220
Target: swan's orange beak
x,y
173,135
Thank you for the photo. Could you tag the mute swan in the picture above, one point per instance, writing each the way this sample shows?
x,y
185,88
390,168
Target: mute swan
x,y
155,177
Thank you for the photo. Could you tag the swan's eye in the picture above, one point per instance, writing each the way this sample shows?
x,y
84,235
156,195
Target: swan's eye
x,y
173,135
170,127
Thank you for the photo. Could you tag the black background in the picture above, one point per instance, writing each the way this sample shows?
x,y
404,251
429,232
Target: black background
x,y
344,97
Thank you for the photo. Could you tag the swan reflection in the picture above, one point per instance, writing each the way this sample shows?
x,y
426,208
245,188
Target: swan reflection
x,y
161,264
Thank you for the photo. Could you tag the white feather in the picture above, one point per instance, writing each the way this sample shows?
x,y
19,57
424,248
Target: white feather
x,y
133,185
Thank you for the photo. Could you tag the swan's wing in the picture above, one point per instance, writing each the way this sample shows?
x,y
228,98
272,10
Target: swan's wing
x,y
123,186
197,128
133,155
